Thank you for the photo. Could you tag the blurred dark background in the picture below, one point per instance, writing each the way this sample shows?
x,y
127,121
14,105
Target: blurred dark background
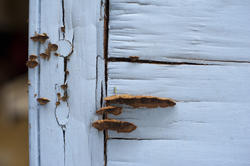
x,y
13,83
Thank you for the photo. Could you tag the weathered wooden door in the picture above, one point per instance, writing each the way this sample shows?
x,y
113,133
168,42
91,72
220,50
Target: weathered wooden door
x,y
196,52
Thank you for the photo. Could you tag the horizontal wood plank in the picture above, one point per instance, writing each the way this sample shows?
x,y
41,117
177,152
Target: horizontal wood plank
x,y
176,153
180,31
209,124
213,83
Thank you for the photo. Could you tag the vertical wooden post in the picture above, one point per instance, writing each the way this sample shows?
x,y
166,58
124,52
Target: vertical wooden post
x,y
61,134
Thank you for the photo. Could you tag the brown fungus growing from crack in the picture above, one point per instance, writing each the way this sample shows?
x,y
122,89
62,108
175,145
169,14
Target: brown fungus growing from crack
x,y
56,54
52,47
110,109
134,58
140,101
40,37
32,57
45,56
57,103
63,29
43,100
113,124
65,97
31,63
64,87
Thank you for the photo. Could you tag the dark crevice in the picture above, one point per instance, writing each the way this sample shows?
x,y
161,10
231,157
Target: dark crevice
x,y
140,139
105,42
212,60
101,99
105,47
64,145
63,17
114,59
65,69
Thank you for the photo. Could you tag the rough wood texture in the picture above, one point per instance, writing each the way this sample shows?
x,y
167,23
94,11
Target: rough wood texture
x,y
61,131
208,125
180,31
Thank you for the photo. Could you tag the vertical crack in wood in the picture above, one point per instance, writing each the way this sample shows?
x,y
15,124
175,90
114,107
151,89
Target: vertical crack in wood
x,y
63,18
106,37
64,145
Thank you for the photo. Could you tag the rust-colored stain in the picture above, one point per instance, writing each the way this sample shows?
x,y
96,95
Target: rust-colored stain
x,y
134,58
113,124
40,37
110,109
45,56
43,100
140,101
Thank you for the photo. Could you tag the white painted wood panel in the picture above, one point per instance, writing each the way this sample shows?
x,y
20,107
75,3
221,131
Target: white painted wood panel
x,y
208,126
62,135
213,83
33,88
180,31
176,153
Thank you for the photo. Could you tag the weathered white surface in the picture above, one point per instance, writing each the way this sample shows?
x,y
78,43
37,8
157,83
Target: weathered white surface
x,y
213,83
174,30
62,135
33,77
208,126
177,153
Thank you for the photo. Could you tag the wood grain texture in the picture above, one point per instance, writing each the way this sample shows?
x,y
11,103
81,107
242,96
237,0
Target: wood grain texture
x,y
62,133
180,31
208,125
33,77
212,83
176,153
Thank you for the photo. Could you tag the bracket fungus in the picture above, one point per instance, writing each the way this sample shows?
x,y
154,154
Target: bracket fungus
x,y
113,124
43,100
45,56
140,101
32,62
110,109
40,37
